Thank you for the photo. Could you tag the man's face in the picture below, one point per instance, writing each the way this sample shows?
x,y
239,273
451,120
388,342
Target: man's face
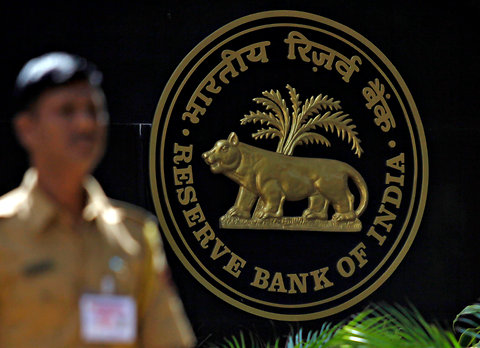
x,y
66,126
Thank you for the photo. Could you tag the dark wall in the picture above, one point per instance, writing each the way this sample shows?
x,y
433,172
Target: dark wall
x,y
138,48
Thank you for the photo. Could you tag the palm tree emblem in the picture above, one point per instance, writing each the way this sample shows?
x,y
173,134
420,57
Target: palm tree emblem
x,y
297,125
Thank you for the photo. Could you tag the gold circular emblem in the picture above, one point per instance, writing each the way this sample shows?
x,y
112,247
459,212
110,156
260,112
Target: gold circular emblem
x,y
288,165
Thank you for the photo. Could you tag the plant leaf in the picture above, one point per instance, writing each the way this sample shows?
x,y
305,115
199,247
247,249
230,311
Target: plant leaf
x,y
314,339
294,96
467,322
469,310
314,105
312,138
338,123
273,101
271,105
262,117
267,133
281,110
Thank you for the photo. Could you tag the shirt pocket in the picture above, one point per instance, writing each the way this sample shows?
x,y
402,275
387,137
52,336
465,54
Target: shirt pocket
x,y
42,288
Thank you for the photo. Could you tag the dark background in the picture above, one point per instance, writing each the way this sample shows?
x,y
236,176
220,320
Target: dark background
x,y
138,46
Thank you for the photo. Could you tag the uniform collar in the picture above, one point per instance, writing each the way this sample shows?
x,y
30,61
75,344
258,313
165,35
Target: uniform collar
x,y
39,209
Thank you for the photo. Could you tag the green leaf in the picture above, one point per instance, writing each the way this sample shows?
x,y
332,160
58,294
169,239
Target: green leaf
x,y
467,323
314,339
392,326
470,338
469,310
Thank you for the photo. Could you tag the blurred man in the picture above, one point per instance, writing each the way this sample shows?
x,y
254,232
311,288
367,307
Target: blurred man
x,y
77,269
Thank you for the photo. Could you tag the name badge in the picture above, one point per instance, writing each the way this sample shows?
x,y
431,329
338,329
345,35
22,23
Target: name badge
x,y
108,318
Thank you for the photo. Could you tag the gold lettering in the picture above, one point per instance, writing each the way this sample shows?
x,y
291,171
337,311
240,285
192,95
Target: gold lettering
x,y
347,67
204,235
374,95
359,253
397,162
392,195
183,175
294,37
215,252
228,56
186,195
253,56
206,100
320,61
186,153
295,280
194,215
346,265
380,220
277,281
372,233
261,278
298,282
325,56
384,117
350,267
320,279
233,266
397,196
193,115
211,85
394,179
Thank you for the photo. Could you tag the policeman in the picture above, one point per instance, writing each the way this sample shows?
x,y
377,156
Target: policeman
x,y
77,269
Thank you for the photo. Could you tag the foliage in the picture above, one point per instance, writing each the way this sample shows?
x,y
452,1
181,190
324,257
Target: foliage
x,y
392,326
467,323
314,339
379,326
242,342
297,125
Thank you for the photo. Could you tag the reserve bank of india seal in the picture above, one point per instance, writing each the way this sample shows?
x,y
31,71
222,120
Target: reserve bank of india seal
x,y
288,165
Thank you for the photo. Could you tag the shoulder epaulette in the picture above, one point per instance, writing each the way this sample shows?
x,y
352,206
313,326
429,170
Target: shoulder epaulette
x,y
10,202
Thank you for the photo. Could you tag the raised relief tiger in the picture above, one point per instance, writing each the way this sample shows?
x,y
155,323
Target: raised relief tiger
x,y
275,177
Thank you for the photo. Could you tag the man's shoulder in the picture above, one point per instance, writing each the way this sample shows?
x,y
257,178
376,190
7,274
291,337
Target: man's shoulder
x,y
141,224
11,201
132,213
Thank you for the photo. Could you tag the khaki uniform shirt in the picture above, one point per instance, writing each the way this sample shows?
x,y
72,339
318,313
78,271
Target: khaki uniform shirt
x,y
47,262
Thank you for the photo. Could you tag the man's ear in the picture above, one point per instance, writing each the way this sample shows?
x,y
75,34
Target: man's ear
x,y
23,125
